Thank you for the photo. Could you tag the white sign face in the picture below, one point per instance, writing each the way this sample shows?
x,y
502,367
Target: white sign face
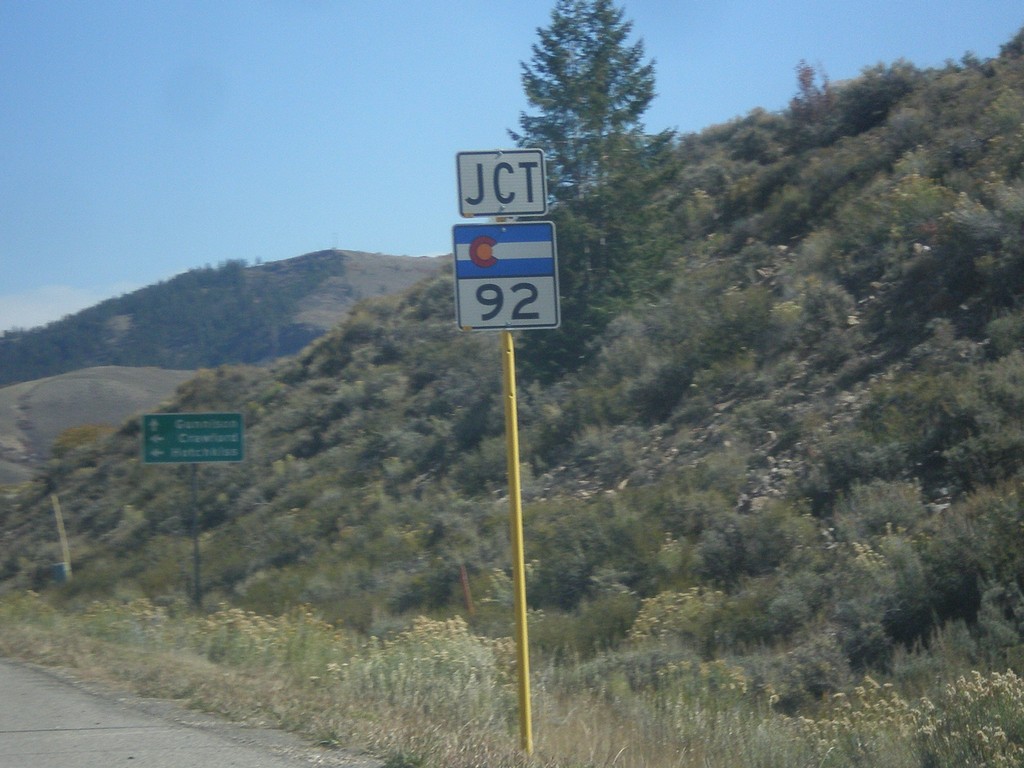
x,y
509,182
506,276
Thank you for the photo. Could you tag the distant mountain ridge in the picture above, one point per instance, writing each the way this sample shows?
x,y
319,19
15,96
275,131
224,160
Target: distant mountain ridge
x,y
232,313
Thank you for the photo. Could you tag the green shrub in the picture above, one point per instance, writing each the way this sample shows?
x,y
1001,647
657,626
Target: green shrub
x,y
848,458
811,670
873,509
1006,333
688,619
867,101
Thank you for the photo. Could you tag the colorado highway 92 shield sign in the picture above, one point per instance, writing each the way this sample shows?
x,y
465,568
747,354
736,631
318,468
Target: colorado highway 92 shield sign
x,y
506,276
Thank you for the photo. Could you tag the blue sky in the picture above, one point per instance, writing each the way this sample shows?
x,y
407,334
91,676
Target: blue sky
x,y
140,139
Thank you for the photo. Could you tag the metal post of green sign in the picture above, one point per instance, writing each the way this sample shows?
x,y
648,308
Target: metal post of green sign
x,y
197,583
193,438
508,358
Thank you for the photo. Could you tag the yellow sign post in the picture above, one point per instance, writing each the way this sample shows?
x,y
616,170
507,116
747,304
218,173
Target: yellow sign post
x,y
508,359
64,548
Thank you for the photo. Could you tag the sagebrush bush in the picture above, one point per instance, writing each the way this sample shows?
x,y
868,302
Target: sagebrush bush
x,y
879,507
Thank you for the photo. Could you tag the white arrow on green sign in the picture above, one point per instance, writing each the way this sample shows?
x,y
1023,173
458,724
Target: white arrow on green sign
x,y
192,438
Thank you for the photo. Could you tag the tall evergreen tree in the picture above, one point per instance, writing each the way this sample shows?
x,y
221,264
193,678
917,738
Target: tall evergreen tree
x,y
591,87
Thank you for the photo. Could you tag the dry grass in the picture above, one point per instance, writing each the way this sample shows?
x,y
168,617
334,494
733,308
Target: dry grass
x,y
437,695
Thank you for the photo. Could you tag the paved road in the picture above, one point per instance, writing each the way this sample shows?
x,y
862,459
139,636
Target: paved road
x,y
49,721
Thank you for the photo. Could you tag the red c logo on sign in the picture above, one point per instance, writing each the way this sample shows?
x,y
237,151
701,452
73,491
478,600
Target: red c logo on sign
x,y
481,251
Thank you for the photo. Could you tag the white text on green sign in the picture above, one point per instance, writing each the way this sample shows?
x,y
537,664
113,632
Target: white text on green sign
x,y
192,438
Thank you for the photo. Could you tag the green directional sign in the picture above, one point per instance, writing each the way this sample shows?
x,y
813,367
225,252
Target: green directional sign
x,y
192,438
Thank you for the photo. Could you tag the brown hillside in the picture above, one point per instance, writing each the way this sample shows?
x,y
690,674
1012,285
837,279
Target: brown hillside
x,y
34,413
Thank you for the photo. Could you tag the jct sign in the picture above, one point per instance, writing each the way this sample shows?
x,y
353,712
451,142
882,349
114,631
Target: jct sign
x,y
510,182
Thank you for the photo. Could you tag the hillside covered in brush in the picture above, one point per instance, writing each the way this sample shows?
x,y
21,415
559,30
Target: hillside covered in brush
x,y
781,421
232,313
